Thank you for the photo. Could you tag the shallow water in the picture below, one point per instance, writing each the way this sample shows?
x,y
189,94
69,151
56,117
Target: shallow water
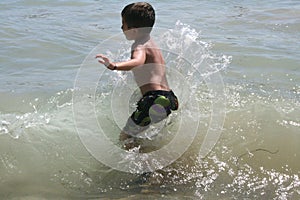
x,y
252,45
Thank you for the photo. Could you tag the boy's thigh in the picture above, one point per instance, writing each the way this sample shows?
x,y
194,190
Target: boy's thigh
x,y
150,109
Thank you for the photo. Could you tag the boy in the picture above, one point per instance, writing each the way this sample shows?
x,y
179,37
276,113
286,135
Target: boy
x,y
148,67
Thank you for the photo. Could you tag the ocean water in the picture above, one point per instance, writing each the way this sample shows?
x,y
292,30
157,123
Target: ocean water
x,y
234,66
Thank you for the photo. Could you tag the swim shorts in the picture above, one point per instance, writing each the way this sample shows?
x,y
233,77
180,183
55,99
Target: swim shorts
x,y
153,107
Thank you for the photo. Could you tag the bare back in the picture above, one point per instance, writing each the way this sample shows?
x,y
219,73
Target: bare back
x,y
152,75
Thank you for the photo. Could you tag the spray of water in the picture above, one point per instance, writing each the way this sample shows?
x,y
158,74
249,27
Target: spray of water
x,y
44,140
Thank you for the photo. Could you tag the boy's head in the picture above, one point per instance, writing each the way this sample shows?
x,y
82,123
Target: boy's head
x,y
139,15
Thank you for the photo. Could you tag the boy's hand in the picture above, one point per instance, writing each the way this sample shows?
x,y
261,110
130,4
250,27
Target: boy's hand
x,y
105,61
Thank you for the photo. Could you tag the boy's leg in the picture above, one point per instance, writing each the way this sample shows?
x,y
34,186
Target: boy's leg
x,y
152,108
128,142
137,122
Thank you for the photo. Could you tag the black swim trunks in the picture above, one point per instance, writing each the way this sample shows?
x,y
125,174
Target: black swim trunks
x,y
153,107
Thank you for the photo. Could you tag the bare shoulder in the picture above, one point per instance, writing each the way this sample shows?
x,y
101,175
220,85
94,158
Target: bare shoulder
x,y
138,46
153,52
150,44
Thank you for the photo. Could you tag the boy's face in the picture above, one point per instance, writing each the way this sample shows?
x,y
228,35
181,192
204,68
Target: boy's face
x,y
130,33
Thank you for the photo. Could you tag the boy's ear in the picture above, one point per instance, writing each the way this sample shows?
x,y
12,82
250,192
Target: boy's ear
x,y
135,30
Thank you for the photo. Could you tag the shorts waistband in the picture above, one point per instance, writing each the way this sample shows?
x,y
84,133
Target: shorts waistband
x,y
159,92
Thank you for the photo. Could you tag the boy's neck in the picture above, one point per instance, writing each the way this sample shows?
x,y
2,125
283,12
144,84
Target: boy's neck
x,y
143,39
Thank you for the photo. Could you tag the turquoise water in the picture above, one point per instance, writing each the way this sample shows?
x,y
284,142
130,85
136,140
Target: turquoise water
x,y
252,45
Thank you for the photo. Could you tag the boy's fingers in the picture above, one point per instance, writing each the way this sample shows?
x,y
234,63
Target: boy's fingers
x,y
99,56
104,61
101,61
103,57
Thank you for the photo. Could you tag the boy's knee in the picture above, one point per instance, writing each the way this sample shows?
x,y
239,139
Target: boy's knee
x,y
123,136
127,141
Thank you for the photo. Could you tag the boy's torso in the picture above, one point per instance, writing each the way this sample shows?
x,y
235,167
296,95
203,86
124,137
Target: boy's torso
x,y
152,75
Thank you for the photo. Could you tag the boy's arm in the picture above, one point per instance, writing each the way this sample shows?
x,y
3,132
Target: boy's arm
x,y
138,57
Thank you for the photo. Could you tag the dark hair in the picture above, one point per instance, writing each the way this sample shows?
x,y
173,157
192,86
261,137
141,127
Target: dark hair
x,y
139,15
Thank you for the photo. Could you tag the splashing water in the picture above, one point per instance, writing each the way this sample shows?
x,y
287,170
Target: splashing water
x,y
249,160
